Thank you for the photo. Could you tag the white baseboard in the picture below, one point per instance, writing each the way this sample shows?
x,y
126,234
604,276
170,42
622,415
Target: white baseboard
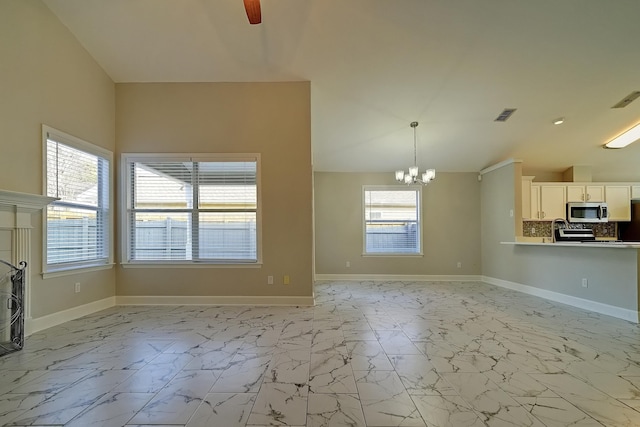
x,y
50,320
216,300
598,307
398,277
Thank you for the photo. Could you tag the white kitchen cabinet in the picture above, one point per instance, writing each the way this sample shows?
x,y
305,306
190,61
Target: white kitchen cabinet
x,y
527,212
553,201
618,198
635,192
534,202
585,193
548,201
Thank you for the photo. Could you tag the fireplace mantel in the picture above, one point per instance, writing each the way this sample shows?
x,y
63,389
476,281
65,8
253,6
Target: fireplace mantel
x,y
16,210
25,202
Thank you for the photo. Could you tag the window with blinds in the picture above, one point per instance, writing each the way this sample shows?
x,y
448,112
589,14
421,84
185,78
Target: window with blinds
x,y
188,210
392,220
77,226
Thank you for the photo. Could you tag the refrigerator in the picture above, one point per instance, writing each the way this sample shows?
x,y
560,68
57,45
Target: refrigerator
x,y
630,231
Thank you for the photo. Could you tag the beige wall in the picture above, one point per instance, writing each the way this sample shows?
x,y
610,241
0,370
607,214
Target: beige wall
x,y
451,226
47,77
268,118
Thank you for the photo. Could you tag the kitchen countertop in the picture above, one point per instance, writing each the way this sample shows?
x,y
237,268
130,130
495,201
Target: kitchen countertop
x,y
590,244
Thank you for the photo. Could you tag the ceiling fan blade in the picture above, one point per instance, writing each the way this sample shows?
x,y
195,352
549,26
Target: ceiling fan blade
x,y
253,11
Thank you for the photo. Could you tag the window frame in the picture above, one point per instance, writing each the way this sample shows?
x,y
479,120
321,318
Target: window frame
x,y
126,207
106,262
419,216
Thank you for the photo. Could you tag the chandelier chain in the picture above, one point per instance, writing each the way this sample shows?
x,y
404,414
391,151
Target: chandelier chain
x,y
415,149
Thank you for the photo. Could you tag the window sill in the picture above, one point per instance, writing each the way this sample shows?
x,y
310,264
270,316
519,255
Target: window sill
x,y
419,255
190,265
75,270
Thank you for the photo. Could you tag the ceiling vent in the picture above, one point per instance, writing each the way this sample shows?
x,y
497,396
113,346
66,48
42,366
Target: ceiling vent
x,y
504,116
627,99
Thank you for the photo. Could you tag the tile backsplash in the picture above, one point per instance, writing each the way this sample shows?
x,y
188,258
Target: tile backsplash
x,y
543,228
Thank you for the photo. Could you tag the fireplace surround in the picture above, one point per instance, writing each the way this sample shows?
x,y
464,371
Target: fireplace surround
x,y
16,214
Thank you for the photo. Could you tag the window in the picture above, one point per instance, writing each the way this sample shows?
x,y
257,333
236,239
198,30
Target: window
x,y
188,210
77,227
392,220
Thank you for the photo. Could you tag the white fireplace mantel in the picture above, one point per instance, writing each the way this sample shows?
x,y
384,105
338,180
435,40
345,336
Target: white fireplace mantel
x,y
23,202
16,210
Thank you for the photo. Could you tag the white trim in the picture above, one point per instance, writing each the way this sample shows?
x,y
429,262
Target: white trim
x,y
23,201
76,270
407,255
398,277
49,133
170,264
16,211
598,307
125,185
420,221
499,165
54,319
216,300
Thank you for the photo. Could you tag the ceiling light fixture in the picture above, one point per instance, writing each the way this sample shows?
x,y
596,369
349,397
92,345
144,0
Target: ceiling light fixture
x,y
558,121
625,138
412,176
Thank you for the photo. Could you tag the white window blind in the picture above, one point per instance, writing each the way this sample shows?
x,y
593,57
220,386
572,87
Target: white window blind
x,y
392,221
77,225
187,210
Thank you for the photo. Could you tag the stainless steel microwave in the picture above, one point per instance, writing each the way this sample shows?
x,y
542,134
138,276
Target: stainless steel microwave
x,y
587,212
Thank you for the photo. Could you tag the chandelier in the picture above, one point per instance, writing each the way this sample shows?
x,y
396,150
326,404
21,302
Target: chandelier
x,y
412,176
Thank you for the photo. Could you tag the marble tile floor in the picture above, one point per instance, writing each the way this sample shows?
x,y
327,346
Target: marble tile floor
x,y
368,354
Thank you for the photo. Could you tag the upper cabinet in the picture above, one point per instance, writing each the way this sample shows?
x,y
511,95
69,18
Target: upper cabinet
x,y
546,201
585,193
534,202
618,198
526,198
553,202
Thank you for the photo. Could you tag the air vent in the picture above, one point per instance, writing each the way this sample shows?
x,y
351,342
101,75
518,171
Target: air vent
x,y
627,99
506,113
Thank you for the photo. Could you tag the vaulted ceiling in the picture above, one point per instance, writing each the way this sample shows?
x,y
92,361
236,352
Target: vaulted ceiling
x,y
377,65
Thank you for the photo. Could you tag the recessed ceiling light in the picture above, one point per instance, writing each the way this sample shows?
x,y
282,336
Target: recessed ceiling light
x,y
625,138
558,121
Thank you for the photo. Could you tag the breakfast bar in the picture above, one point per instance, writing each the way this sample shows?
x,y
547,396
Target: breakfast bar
x,y
600,275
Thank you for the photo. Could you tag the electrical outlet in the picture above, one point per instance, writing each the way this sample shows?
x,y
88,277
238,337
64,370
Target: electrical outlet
x,y
511,213
585,283
269,280
285,280
77,287
348,264
459,264
533,230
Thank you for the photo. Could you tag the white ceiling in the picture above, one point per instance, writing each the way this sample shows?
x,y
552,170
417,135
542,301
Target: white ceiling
x,y
377,65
